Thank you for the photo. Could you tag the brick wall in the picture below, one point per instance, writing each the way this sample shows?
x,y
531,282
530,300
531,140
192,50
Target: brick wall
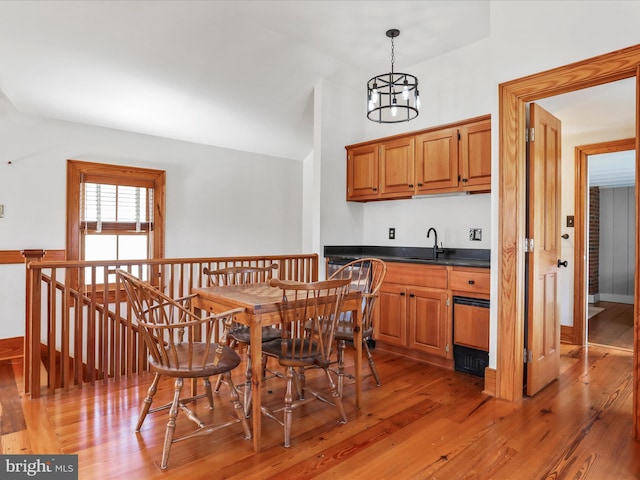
x,y
594,240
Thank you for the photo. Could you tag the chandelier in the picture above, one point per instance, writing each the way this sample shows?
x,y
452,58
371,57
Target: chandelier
x,y
392,97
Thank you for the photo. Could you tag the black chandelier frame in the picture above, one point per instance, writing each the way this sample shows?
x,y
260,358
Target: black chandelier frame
x,y
392,91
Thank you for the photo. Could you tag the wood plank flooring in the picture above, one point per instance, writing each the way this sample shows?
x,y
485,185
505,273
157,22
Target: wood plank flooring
x,y
424,422
613,326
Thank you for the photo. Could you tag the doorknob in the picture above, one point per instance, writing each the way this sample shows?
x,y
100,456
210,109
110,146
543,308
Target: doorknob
x,y
562,264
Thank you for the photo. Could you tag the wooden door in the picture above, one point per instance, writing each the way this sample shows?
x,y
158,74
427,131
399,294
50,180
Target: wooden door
x,y
362,172
437,161
428,326
475,156
397,168
391,315
543,322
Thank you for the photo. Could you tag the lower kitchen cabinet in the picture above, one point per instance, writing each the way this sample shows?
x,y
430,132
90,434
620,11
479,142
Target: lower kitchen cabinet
x,y
428,322
392,314
415,317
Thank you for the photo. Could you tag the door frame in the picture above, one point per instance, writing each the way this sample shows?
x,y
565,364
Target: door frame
x,y
512,97
581,211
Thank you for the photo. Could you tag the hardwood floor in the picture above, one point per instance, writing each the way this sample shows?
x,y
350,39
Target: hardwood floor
x,y
424,422
613,326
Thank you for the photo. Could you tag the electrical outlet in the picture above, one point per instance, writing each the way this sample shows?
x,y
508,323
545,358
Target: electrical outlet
x,y
475,234
1,211
392,233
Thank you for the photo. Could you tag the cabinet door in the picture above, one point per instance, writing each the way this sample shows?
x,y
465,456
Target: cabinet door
x,y
392,315
471,326
475,156
429,326
437,161
397,168
362,173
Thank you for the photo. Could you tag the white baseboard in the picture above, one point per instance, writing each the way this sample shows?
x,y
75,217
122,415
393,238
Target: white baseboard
x,y
616,298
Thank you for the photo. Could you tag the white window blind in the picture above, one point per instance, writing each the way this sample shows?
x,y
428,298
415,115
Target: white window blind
x,y
112,207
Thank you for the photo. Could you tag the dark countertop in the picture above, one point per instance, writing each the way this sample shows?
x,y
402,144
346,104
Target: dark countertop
x,y
461,257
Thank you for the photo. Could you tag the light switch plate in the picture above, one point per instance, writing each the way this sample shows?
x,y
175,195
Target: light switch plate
x,y
1,211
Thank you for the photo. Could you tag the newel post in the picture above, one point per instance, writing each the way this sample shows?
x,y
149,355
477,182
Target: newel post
x,y
32,323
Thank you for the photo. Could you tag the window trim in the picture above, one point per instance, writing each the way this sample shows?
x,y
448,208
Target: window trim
x,y
77,170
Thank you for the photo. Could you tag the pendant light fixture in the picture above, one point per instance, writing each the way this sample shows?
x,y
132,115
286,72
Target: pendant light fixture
x,y
392,97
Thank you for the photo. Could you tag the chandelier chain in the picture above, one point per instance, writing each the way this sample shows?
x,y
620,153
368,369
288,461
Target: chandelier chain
x,y
393,55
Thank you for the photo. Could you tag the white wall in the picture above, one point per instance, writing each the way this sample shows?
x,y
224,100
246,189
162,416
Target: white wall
x,y
450,216
219,202
526,37
617,244
342,222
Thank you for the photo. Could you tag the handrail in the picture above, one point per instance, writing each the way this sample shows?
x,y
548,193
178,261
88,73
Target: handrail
x,y
78,319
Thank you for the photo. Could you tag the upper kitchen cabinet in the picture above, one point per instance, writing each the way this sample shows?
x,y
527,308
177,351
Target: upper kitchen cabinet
x,y
381,170
362,173
475,156
437,161
397,167
451,158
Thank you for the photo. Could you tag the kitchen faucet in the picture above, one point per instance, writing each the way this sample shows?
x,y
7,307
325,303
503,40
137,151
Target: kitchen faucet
x,y
435,243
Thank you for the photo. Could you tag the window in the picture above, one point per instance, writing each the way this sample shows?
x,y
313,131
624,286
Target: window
x,y
114,213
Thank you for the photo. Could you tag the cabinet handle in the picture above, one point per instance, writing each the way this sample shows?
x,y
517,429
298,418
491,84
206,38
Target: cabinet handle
x,y
412,295
465,179
419,184
375,189
471,282
402,294
410,185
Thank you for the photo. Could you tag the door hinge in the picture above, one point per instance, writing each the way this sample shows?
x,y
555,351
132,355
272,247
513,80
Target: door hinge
x,y
446,348
528,356
448,302
529,134
528,245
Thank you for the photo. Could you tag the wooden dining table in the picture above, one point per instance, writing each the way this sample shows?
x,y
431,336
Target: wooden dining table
x,y
261,303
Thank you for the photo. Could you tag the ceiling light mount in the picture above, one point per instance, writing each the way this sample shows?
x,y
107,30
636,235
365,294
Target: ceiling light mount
x,y
392,97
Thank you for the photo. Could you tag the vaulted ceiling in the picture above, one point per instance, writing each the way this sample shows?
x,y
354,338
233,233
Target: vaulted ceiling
x,y
236,74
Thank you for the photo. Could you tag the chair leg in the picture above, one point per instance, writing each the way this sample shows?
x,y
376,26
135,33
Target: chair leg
x,y
288,407
337,398
232,344
218,383
207,389
372,364
146,405
235,400
247,385
171,424
341,347
301,383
